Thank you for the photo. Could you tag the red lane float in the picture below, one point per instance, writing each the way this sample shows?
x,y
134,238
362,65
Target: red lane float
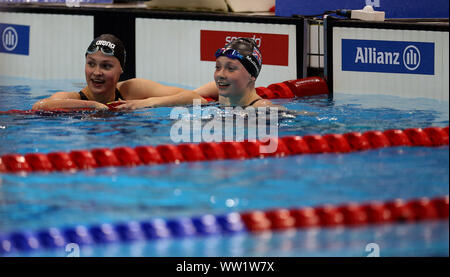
x,y
294,88
281,90
170,153
349,214
296,145
418,137
397,138
208,151
337,143
15,163
212,151
280,219
438,136
39,162
61,161
377,139
265,93
305,217
127,156
105,157
191,152
83,159
308,86
148,155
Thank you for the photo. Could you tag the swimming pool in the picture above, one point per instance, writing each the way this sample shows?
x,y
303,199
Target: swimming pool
x,y
122,194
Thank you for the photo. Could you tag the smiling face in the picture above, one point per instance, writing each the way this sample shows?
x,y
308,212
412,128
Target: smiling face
x,y
102,73
231,77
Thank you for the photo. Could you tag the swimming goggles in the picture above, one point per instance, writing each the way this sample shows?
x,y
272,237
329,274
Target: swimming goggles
x,y
108,51
229,52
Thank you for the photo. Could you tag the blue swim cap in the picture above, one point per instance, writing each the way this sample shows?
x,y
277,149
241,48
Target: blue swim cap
x,y
246,51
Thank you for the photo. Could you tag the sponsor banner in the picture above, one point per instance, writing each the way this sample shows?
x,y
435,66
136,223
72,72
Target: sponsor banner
x,y
392,8
388,56
15,39
274,47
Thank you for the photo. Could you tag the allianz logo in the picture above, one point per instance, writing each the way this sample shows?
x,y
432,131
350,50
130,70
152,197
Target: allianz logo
x,y
9,38
369,55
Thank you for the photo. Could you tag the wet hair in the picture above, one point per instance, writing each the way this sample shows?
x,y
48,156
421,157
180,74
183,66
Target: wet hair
x,y
247,48
113,43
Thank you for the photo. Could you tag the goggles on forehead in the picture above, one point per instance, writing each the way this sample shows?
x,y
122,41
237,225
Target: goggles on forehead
x,y
108,51
228,52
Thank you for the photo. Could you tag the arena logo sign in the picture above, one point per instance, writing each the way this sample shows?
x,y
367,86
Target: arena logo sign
x,y
274,47
15,39
388,56
213,124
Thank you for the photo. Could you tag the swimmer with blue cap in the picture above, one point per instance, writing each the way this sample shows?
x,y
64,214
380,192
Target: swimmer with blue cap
x,y
238,64
105,62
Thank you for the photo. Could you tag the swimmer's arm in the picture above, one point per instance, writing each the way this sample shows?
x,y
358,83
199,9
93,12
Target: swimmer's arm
x,y
208,90
66,100
138,88
142,93
182,98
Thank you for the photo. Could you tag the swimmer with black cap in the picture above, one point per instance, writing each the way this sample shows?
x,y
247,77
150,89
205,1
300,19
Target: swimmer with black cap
x,y
238,64
105,62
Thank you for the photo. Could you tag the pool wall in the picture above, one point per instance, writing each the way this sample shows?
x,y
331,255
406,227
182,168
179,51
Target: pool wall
x,y
165,46
177,47
56,45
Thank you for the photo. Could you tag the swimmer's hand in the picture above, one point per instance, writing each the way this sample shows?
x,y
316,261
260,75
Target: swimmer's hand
x,y
129,104
99,106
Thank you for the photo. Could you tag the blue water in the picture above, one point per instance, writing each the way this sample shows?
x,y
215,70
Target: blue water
x,y
38,200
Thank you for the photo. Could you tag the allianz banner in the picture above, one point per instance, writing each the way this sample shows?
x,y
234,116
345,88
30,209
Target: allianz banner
x,y
388,56
15,39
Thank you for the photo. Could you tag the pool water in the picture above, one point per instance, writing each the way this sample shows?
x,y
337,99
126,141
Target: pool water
x,y
40,200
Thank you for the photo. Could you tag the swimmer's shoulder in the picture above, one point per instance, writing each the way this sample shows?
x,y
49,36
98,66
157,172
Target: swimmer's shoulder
x,y
66,95
267,103
131,88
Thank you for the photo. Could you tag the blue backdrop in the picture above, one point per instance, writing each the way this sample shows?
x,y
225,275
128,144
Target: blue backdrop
x,y
393,8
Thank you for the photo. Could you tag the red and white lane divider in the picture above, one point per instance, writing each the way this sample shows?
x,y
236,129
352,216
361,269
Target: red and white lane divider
x,y
208,151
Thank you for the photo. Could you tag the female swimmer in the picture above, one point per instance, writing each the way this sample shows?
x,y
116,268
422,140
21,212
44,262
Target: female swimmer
x,y
238,64
105,60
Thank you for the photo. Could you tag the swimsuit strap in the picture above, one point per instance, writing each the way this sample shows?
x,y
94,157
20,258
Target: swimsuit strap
x,y
116,98
254,101
118,95
82,95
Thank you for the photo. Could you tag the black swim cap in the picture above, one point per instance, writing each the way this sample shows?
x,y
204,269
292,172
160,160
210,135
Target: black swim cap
x,y
248,54
110,45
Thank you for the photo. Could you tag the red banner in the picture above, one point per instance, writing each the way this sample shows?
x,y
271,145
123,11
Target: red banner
x,y
274,47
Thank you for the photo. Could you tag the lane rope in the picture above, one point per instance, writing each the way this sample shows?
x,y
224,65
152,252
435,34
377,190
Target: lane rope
x,y
254,221
209,151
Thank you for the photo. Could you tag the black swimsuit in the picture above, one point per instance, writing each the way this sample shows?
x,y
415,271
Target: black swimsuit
x,y
117,97
254,101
